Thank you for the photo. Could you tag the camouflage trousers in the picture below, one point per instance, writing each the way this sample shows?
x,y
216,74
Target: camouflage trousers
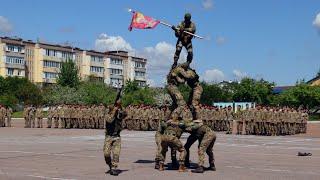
x,y
159,148
56,122
206,146
33,122
174,143
39,122
112,146
49,122
179,47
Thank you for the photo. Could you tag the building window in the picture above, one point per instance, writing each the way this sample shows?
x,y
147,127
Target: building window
x,y
50,75
139,64
116,71
15,60
50,52
51,64
67,55
10,71
140,74
96,69
14,48
116,61
96,59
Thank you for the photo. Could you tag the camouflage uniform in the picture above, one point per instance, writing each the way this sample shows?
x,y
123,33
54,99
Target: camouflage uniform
x,y
39,117
184,40
49,117
170,138
112,143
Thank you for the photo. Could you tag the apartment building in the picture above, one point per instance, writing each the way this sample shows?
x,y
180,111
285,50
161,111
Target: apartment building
x,y
41,62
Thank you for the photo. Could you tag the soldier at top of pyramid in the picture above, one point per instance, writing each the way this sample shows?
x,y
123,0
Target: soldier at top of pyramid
x,y
184,39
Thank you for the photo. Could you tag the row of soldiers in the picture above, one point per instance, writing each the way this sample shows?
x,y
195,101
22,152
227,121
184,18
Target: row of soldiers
x,y
66,117
5,114
255,121
33,117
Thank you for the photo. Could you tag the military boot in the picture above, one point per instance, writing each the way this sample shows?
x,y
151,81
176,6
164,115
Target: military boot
x,y
187,163
114,172
212,167
161,166
200,169
157,165
175,164
182,168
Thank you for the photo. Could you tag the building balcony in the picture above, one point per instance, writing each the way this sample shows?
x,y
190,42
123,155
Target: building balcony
x,y
15,54
15,66
51,69
116,76
140,78
142,69
97,74
49,80
98,64
116,66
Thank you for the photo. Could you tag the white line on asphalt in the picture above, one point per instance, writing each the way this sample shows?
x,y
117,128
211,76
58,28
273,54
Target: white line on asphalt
x,y
50,154
46,177
273,170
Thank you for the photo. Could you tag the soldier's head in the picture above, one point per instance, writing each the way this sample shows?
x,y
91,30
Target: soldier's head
x,y
187,18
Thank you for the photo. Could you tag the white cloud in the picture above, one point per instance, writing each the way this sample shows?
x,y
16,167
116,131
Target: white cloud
x,y
213,75
112,43
160,59
207,4
5,25
316,22
220,40
239,75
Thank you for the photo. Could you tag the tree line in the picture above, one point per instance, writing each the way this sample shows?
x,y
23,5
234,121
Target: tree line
x,y
15,92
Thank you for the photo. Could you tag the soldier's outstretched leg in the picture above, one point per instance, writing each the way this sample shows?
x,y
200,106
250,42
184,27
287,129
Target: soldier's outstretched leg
x,y
177,54
206,142
190,53
191,140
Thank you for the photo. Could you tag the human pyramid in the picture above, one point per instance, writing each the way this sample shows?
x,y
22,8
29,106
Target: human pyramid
x,y
177,122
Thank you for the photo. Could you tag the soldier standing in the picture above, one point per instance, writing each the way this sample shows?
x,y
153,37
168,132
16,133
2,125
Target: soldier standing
x,y
38,116
49,117
184,39
112,143
170,138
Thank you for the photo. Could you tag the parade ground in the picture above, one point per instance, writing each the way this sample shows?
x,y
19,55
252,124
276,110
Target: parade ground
x,y
77,154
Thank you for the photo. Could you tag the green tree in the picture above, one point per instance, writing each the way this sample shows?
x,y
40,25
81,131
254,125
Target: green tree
x,y
68,75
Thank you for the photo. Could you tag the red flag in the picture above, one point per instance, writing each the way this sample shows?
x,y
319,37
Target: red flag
x,y
141,21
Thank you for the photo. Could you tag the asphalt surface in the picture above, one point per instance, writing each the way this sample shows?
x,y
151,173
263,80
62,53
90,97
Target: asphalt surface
x,y
77,154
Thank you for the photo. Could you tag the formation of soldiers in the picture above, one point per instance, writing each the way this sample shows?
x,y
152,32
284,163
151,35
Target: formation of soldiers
x,y
5,116
33,117
252,121
66,117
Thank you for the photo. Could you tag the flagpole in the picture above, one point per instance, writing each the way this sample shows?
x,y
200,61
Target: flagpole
x,y
169,25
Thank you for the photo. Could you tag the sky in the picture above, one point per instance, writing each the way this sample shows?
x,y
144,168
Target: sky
x,y
270,39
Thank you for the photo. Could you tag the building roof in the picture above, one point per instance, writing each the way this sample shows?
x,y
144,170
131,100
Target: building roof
x,y
314,79
120,53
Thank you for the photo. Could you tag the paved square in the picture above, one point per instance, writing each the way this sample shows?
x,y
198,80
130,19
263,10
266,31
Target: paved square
x,y
77,154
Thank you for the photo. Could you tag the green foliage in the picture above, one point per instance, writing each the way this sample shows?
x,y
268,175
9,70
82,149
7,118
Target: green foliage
x,y
86,93
302,94
68,75
15,90
250,90
8,100
133,94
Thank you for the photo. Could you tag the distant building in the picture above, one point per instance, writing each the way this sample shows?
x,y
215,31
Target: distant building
x,y
41,62
315,81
